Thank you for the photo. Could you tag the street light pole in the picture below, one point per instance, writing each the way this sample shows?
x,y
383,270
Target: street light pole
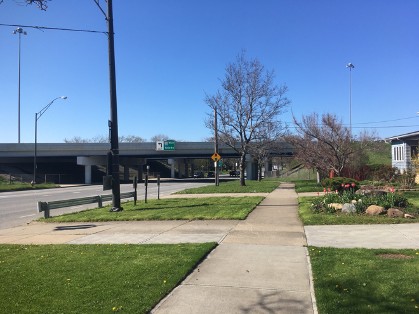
x,y
19,31
37,116
350,66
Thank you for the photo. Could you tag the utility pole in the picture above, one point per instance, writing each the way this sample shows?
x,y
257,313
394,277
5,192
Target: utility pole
x,y
113,122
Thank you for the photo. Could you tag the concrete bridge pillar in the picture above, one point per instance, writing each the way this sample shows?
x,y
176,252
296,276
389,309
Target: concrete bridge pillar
x,y
171,162
88,162
140,173
88,174
181,167
251,168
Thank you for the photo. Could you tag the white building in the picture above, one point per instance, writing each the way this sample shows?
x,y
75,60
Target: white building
x,y
404,148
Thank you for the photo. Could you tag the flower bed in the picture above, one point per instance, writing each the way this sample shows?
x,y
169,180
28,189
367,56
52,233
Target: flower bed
x,y
366,201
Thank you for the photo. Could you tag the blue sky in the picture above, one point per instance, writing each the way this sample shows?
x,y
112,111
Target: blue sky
x,y
169,54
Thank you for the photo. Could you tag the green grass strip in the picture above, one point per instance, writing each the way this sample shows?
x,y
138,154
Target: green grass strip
x,y
348,281
6,187
92,278
233,186
307,186
208,208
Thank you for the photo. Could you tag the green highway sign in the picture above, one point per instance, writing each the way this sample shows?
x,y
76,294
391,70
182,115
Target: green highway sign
x,y
165,145
169,145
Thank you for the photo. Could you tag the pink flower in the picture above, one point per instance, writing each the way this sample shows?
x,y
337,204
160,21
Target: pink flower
x,y
353,184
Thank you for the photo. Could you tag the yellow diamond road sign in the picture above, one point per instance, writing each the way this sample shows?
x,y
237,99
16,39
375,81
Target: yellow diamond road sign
x,y
216,157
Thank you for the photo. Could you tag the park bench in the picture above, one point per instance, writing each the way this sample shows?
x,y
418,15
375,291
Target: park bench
x,y
99,199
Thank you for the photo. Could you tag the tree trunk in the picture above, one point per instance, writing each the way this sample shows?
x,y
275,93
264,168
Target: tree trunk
x,y
242,168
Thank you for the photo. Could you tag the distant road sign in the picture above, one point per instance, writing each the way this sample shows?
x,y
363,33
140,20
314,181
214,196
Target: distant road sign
x,y
216,157
169,145
165,145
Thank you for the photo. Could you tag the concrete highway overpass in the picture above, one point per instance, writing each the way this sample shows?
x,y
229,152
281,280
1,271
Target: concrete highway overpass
x,y
132,155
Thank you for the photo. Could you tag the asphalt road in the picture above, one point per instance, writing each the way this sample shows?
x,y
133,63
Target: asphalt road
x,y
18,208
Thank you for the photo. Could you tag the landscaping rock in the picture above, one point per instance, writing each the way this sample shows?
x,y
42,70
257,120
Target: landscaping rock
x,y
336,206
409,216
394,213
371,190
348,208
375,210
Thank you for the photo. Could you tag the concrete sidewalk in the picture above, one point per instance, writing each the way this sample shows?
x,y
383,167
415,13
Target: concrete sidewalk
x,y
132,232
261,266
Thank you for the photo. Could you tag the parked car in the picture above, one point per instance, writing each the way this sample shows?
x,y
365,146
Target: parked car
x,y
210,174
198,174
234,173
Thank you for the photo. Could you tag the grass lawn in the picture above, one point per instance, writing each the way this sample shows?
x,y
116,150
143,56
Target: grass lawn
x,y
308,217
413,197
92,278
307,186
365,281
233,186
170,209
6,187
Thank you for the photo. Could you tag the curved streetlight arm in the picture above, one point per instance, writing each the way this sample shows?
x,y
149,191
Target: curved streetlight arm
x,y
37,116
42,111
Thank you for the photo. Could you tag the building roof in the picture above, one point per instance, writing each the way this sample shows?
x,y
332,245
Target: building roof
x,y
405,137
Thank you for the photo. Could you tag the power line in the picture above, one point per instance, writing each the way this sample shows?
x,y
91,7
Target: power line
x,y
55,28
388,120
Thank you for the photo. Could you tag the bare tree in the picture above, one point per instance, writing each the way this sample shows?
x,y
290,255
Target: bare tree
x,y
76,139
41,4
105,139
323,144
159,137
131,139
248,101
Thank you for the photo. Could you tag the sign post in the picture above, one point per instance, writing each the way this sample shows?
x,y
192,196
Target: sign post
x,y
158,186
216,157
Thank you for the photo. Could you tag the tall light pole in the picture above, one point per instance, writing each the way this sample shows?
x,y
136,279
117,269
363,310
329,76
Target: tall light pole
x,y
350,66
37,116
19,31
